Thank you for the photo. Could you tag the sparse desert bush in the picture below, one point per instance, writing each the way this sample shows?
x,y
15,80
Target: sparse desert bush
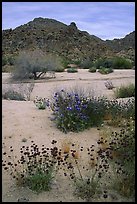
x,y
118,111
8,68
41,103
36,167
92,69
33,64
13,95
20,91
123,148
109,85
104,70
60,69
120,145
86,177
125,91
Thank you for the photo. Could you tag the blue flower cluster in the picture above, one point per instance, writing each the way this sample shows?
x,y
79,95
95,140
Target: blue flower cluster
x,y
73,111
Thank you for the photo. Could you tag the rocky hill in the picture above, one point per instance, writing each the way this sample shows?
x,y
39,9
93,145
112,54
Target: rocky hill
x,y
52,36
124,46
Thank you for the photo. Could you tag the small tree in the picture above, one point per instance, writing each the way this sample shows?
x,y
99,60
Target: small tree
x,y
33,64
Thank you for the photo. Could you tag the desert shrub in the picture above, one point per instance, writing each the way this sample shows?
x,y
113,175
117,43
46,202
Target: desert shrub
x,y
118,111
4,60
74,111
86,64
77,62
72,70
34,64
41,103
92,69
85,176
11,60
36,167
13,95
60,69
7,68
104,70
8,60
103,62
113,63
121,63
125,91
65,63
123,148
109,85
120,145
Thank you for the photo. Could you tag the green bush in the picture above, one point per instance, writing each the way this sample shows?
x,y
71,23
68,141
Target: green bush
x,y
65,63
104,70
103,62
125,91
72,70
40,181
8,60
92,69
86,64
4,60
60,69
77,62
121,63
11,60
113,63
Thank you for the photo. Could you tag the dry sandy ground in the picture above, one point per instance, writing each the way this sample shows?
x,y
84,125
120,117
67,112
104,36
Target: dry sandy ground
x,y
21,119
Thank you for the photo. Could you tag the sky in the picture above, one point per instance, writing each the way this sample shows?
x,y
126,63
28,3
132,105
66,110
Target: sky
x,y
106,20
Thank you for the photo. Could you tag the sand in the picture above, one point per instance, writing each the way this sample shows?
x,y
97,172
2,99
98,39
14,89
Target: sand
x,y
23,120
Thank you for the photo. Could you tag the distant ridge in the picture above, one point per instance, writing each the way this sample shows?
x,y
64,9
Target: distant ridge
x,y
67,41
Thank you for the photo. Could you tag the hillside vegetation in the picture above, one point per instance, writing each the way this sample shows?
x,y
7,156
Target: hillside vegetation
x,y
66,41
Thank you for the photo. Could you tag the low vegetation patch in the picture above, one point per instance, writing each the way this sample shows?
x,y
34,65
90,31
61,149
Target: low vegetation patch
x,y
108,167
92,69
41,103
125,91
86,64
104,70
117,112
75,112
19,92
13,95
35,168
72,70
113,63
